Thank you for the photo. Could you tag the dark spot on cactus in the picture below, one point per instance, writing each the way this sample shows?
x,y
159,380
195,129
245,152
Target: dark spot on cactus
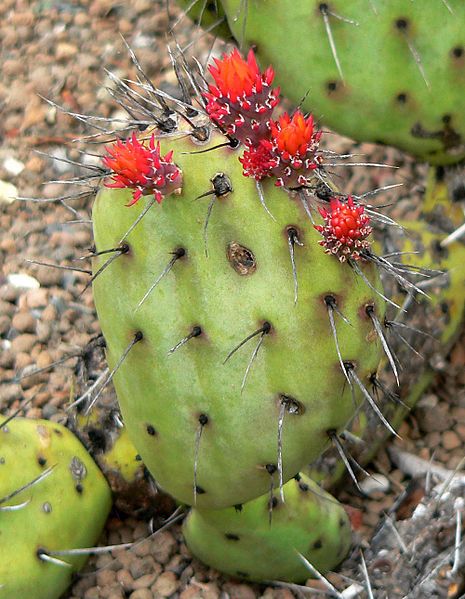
x,y
369,309
323,191
293,235
178,253
330,300
2,460
402,98
241,258
201,134
366,310
40,551
231,537
402,24
342,522
457,52
97,439
438,251
234,143
348,365
271,469
297,477
199,490
47,507
41,460
291,404
303,486
242,574
458,192
203,419
150,430
446,311
323,7
238,507
448,137
221,185
440,173
58,432
318,544
124,248
332,86
138,458
79,488
212,7
273,502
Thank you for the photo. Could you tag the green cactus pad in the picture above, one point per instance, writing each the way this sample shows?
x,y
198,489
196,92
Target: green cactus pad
x,y
64,510
402,64
246,544
188,403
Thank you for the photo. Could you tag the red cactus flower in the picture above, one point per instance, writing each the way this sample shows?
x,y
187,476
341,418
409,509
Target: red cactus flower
x,y
289,154
142,168
242,99
258,161
345,230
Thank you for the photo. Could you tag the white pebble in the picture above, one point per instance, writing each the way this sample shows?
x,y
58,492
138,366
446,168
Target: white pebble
x,y
8,192
23,281
375,484
13,166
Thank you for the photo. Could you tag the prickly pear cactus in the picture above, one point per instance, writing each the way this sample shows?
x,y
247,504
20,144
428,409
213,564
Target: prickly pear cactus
x,y
219,311
53,500
330,54
262,540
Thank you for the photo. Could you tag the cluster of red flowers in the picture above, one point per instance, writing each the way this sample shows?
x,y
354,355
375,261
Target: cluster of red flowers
x,y
141,168
345,230
241,102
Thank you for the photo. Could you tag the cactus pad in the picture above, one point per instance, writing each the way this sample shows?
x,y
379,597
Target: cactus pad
x,y
64,509
262,540
189,409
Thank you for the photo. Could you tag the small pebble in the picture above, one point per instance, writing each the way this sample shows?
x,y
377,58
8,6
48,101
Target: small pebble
x,y
23,281
450,440
166,584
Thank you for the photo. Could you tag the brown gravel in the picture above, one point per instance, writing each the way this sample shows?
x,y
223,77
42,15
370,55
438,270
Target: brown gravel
x,y
57,49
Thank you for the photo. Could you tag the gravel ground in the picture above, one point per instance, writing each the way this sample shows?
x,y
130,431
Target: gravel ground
x,y
57,50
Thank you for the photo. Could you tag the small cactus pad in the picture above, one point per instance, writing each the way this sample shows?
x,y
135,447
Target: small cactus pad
x,y
390,72
63,505
106,438
188,290
262,540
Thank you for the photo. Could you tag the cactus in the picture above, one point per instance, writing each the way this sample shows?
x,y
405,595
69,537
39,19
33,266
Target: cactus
x,y
330,54
240,298
192,286
53,500
246,544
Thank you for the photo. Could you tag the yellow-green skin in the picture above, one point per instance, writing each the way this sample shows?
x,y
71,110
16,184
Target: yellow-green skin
x,y
382,95
246,544
162,396
64,511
